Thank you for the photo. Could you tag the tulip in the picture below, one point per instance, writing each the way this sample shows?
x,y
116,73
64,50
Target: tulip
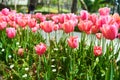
x,y
95,29
11,32
5,18
32,23
3,25
84,15
98,35
21,22
20,51
93,17
40,49
5,11
56,27
118,36
117,18
104,11
40,16
47,26
68,26
34,29
85,26
109,31
97,50
61,18
55,18
12,24
12,17
73,41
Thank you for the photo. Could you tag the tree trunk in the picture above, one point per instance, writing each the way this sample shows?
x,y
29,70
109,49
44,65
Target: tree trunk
x,y
31,6
58,6
74,6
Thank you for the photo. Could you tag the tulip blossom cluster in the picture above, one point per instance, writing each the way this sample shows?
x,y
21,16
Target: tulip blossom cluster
x,y
103,25
86,22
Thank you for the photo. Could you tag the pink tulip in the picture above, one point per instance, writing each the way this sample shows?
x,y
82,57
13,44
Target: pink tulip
x,y
71,16
110,31
104,11
32,23
97,50
107,19
11,32
68,26
3,25
117,18
21,22
12,16
84,15
40,49
47,26
85,26
40,17
56,27
5,11
12,24
93,17
20,51
5,18
55,18
61,18
34,29
118,35
98,35
73,41
95,29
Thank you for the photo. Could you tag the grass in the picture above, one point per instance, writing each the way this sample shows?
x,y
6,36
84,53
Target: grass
x,y
51,9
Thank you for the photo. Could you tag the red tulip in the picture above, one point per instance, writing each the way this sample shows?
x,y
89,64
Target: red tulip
x,y
40,49
97,50
68,26
11,32
104,11
73,41
3,25
110,31
47,26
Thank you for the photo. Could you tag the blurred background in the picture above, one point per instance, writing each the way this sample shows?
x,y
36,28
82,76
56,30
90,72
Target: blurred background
x,y
59,6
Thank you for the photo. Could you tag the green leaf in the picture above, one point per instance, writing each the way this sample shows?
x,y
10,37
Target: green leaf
x,y
109,74
0,45
111,71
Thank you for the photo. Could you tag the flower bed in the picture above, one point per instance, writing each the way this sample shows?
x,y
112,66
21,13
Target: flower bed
x,y
28,51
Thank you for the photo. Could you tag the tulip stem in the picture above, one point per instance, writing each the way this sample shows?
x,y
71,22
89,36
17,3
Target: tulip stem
x,y
38,69
71,64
